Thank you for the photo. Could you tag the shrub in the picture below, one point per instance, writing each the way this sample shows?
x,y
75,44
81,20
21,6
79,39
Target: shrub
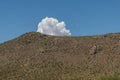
x,y
110,77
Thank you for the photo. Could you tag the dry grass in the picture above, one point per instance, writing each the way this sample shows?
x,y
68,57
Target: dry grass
x,y
34,56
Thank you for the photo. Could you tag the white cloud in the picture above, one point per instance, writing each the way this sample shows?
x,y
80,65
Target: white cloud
x,y
52,26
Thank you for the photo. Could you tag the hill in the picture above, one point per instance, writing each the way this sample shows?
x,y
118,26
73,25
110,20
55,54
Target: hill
x,y
34,56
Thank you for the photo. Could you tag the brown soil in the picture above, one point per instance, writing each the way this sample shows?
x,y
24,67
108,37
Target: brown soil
x,y
34,56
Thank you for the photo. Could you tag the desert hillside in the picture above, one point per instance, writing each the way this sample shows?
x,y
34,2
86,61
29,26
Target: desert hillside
x,y
34,56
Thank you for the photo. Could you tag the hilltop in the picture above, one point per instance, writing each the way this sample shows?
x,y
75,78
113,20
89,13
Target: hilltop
x,y
34,56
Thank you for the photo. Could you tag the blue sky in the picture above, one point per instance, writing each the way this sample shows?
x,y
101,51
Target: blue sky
x,y
82,17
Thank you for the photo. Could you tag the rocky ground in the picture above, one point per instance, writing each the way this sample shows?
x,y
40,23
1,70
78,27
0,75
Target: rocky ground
x,y
34,56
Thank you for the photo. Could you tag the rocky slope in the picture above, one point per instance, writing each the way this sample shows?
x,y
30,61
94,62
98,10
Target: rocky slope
x,y
34,56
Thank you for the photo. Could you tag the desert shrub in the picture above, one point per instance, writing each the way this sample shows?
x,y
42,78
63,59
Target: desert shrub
x,y
110,77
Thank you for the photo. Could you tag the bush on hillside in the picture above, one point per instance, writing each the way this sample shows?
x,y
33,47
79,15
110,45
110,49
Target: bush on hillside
x,y
110,77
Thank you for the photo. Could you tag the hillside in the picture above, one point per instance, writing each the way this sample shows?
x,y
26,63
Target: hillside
x,y
34,56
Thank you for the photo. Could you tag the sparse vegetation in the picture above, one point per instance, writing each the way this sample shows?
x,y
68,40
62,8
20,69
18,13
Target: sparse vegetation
x,y
34,56
110,77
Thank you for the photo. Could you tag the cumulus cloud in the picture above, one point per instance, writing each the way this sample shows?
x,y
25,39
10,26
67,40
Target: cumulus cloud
x,y
52,26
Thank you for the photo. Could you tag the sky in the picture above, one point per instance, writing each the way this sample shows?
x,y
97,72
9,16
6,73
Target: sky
x,y
81,17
